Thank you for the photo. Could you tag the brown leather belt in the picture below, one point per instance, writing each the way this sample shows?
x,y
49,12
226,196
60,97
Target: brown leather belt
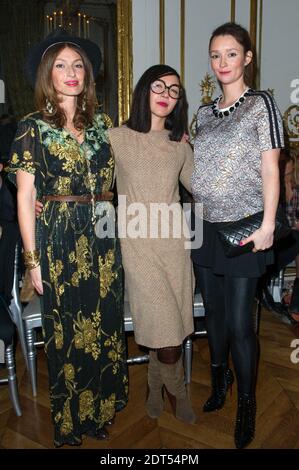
x,y
108,196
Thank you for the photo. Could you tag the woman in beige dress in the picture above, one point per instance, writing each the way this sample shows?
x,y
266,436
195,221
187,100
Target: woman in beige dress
x,y
151,159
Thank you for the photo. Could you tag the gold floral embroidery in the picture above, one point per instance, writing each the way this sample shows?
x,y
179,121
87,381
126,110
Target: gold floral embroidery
x,y
107,408
58,330
86,406
87,333
55,270
107,174
107,120
69,371
116,352
67,424
90,182
14,159
27,155
69,152
58,417
72,256
32,133
63,185
107,276
83,260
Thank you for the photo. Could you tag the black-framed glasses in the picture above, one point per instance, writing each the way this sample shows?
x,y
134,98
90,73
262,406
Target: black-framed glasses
x,y
159,86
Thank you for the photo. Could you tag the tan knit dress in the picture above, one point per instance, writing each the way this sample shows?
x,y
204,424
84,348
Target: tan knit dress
x,y
158,271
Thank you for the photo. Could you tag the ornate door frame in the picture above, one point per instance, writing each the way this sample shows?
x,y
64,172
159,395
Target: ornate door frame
x,y
124,58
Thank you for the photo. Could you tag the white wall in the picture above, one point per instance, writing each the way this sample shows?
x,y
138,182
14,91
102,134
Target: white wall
x,y
279,55
146,38
280,59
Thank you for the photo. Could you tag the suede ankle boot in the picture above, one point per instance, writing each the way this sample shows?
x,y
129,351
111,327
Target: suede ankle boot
x,y
173,379
154,404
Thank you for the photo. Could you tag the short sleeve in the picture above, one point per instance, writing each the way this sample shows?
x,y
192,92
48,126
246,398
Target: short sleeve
x,y
269,123
23,153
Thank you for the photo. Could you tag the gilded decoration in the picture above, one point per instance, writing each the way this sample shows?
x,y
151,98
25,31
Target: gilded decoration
x,y
291,123
207,89
125,57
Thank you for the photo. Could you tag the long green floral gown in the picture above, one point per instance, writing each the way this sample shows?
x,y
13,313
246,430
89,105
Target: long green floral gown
x,y
82,303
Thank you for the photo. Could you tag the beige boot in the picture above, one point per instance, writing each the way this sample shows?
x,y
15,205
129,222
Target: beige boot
x,y
173,379
154,404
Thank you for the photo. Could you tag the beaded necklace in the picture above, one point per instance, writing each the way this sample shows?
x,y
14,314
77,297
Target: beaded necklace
x,y
222,112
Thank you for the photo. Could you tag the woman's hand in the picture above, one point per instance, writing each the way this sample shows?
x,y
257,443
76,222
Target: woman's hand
x,y
38,208
36,279
262,238
185,139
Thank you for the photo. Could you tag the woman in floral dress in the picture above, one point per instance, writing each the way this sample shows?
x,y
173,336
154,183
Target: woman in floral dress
x,y
61,156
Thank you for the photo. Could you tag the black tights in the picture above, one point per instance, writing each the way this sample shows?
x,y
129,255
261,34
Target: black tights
x,y
228,303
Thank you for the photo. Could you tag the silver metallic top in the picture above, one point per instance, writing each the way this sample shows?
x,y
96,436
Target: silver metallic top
x,y
227,152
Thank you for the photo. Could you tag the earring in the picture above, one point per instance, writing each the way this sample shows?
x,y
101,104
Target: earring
x,y
84,103
49,106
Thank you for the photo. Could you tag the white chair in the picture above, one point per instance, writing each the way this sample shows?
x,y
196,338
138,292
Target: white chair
x,y
15,306
7,356
199,314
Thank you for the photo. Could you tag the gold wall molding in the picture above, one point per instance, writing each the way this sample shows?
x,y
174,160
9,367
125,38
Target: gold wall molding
x,y
233,10
253,21
253,36
183,23
259,48
124,58
162,31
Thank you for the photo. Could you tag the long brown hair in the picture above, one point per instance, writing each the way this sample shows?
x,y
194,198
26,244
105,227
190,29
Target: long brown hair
x,y
45,91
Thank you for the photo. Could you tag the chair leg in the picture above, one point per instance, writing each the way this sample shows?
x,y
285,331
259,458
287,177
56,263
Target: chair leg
x,y
12,379
31,359
188,350
17,319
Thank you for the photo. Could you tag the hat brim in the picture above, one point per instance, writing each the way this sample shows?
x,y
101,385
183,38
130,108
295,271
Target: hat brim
x,y
37,51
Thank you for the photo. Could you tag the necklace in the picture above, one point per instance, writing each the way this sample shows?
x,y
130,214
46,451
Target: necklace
x,y
221,112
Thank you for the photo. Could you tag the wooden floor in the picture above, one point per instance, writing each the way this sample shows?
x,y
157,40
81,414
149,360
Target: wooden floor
x,y
277,398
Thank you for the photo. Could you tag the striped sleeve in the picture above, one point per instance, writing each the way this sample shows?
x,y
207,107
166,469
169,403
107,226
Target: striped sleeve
x,y
269,123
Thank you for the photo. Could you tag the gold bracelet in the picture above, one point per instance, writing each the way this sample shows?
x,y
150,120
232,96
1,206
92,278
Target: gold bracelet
x,y
31,259
30,266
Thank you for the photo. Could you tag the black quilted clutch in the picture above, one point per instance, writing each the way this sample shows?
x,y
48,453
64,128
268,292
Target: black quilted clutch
x,y
233,233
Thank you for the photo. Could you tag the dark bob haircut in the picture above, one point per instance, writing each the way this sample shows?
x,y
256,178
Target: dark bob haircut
x,y
140,116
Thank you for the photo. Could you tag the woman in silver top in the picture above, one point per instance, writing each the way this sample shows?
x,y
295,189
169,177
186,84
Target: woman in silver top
x,y
236,174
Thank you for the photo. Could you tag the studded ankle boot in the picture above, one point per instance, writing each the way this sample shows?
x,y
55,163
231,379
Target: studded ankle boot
x,y
245,421
222,379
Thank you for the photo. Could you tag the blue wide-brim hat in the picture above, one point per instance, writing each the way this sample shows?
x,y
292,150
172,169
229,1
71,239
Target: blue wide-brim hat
x,y
60,36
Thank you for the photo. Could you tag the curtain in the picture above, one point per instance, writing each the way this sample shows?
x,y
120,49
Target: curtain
x,y
21,25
